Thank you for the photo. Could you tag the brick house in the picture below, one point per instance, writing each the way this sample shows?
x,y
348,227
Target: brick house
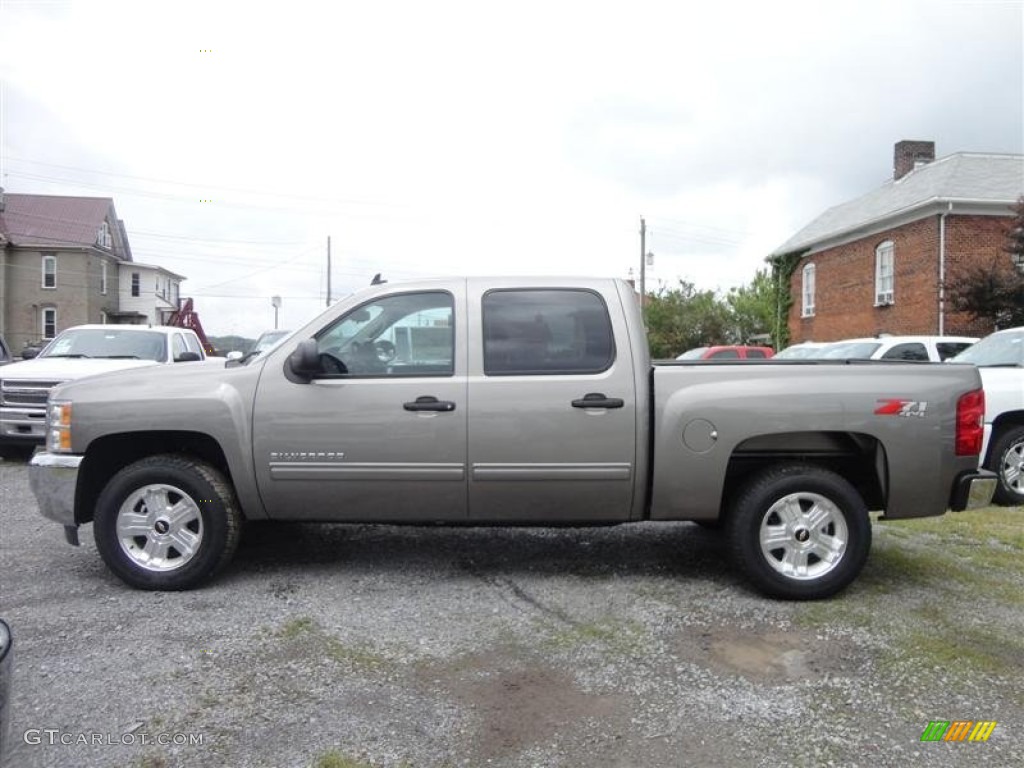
x,y
884,262
63,262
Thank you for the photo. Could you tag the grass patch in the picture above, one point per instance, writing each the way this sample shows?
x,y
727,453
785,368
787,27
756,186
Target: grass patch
x,y
304,629
943,591
335,759
620,637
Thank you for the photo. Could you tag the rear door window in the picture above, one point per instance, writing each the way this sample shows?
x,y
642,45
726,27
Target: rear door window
x,y
546,332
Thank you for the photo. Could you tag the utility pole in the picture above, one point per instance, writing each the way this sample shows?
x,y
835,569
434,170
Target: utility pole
x,y
643,261
328,270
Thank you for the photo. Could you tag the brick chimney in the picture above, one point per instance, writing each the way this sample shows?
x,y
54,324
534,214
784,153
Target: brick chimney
x,y
909,155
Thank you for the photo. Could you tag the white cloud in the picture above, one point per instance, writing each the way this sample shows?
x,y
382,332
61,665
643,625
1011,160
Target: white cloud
x,y
467,137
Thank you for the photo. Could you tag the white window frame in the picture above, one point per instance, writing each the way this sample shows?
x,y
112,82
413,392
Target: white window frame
x,y
103,238
52,312
49,258
885,274
807,288
103,278
135,286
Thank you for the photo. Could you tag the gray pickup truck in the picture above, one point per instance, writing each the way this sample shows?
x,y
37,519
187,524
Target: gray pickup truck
x,y
507,401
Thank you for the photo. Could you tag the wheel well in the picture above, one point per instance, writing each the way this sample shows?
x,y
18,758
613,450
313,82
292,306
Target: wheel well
x,y
112,453
858,458
1001,422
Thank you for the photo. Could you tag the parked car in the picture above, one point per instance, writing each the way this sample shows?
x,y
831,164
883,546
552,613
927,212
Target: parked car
x,y
727,352
802,351
83,350
5,352
920,348
506,401
1000,360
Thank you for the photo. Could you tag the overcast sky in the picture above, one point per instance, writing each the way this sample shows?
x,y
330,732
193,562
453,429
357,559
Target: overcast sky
x,y
447,138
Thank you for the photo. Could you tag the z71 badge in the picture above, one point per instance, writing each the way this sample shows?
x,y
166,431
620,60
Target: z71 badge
x,y
893,406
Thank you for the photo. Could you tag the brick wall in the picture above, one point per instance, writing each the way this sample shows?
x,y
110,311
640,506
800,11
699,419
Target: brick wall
x,y
845,280
974,240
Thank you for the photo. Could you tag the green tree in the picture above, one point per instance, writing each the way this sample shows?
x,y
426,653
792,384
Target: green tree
x,y
995,291
681,318
754,308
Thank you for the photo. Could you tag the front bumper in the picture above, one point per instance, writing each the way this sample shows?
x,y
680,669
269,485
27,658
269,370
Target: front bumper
x,y
973,490
53,478
23,425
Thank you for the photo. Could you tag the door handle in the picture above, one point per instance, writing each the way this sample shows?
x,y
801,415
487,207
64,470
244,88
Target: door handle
x,y
429,403
598,400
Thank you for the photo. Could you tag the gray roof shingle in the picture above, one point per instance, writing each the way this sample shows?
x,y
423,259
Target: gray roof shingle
x,y
57,220
961,177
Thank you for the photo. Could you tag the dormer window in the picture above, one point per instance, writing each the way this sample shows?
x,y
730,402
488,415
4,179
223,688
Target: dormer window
x,y
103,238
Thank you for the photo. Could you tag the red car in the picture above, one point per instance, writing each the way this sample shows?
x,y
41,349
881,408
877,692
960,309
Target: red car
x,y
727,353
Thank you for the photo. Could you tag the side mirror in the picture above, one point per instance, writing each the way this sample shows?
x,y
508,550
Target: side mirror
x,y
29,352
236,355
304,362
187,357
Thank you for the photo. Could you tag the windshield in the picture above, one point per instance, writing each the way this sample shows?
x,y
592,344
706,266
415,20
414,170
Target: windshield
x,y
798,352
849,350
1005,348
268,340
109,343
693,354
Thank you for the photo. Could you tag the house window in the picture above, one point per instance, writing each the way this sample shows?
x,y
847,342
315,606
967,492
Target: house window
x,y
49,270
49,322
135,283
103,238
103,278
807,309
884,273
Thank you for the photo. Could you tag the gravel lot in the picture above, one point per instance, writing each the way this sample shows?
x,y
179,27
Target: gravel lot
x,y
353,646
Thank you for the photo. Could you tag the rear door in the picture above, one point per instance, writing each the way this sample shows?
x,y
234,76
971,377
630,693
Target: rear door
x,y
553,419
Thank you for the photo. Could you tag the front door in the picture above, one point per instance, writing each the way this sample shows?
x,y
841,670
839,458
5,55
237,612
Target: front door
x,y
380,433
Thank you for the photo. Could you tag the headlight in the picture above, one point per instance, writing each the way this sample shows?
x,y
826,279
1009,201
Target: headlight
x,y
58,427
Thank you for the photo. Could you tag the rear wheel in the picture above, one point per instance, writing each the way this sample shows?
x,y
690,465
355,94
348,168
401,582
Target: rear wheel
x,y
799,532
1006,459
166,523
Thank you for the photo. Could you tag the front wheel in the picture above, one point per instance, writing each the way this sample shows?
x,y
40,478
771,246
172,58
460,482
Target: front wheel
x,y
166,523
1006,459
800,532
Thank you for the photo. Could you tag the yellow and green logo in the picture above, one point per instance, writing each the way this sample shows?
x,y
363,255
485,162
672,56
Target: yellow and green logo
x,y
958,730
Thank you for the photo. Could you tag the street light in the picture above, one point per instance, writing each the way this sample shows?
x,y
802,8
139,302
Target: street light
x,y
275,301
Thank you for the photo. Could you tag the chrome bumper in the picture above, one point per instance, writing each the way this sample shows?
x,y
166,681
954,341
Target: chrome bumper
x,y
973,490
53,478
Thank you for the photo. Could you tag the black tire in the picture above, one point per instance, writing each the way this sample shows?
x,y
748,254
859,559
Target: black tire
x,y
1006,459
832,546
190,533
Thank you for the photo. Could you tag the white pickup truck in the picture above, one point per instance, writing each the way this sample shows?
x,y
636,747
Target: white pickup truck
x,y
515,401
83,350
1000,360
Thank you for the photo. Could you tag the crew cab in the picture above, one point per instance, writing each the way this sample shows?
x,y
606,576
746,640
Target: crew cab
x,y
1000,360
83,350
507,402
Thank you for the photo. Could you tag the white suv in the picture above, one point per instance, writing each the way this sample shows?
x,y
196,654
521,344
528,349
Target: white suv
x,y
80,351
923,348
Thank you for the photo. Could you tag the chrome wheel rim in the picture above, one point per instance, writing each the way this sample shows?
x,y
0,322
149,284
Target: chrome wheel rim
x,y
159,527
1013,467
803,536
